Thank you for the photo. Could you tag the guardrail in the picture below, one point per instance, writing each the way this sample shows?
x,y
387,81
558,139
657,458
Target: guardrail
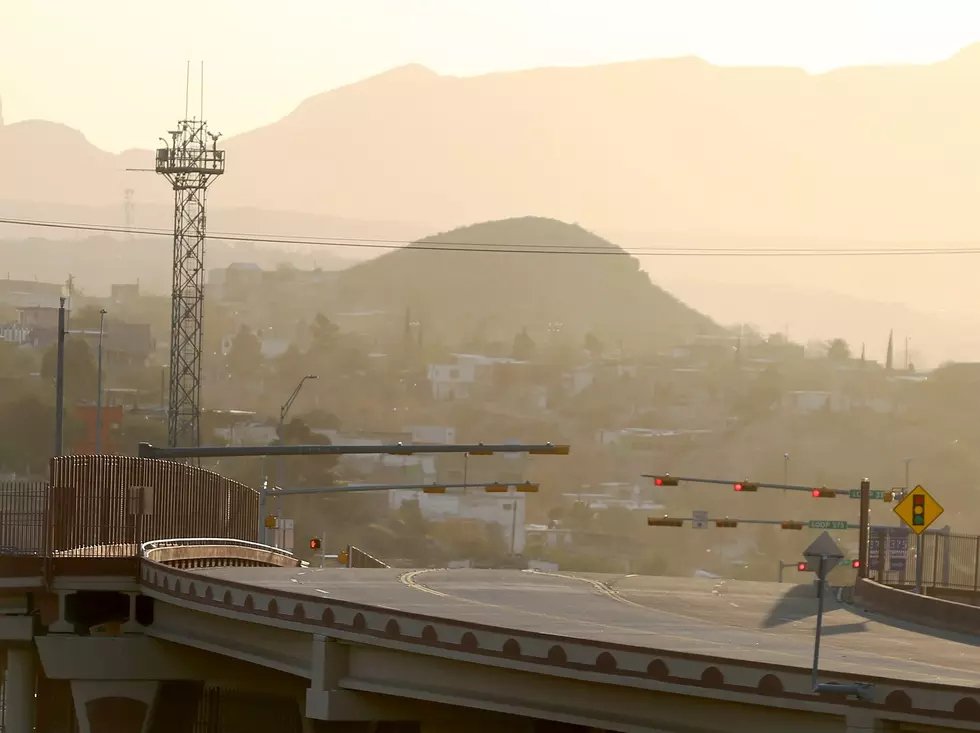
x,y
193,552
357,558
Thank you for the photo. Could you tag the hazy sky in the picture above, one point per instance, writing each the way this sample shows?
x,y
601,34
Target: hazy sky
x,y
115,68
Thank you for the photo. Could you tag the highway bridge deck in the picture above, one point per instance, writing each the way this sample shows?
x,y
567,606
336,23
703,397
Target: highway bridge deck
x,y
751,621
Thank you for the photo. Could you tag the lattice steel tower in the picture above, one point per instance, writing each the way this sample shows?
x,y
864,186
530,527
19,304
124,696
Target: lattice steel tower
x,y
191,161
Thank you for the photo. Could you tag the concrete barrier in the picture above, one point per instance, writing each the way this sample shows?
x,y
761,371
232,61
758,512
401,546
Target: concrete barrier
x,y
906,605
205,555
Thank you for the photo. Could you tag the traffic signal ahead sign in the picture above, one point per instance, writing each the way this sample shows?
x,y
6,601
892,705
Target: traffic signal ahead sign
x,y
918,510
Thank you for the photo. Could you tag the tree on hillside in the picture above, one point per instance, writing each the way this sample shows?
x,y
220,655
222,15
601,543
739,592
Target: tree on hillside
x,y
593,345
301,471
524,347
81,373
27,434
15,361
87,318
245,356
838,350
324,334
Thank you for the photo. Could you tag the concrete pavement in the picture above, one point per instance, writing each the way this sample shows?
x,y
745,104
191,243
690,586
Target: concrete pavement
x,y
760,622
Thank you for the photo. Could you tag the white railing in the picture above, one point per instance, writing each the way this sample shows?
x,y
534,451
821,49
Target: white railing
x,y
154,545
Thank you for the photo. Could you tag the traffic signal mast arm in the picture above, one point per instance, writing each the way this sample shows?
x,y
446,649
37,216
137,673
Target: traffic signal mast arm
x,y
666,521
741,485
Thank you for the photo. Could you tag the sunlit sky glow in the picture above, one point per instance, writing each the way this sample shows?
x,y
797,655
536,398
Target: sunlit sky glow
x,y
115,68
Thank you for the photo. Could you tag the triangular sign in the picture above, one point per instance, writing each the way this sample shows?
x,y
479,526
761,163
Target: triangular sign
x,y
824,546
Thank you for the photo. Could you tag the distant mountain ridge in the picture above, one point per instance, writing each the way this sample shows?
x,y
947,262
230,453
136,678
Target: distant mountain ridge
x,y
665,145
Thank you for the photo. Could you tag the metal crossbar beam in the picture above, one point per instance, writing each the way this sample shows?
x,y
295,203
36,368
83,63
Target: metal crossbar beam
x,y
391,487
239,451
732,482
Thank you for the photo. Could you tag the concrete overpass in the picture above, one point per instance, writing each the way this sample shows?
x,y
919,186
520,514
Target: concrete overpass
x,y
186,635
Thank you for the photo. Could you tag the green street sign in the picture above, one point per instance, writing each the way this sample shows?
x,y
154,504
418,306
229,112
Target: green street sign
x,y
856,494
826,524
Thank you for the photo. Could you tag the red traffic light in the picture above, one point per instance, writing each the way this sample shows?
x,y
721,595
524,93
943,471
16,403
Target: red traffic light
x,y
856,564
823,493
665,480
746,486
801,567
315,543
738,487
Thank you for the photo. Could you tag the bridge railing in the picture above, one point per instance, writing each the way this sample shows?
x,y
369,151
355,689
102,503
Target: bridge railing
x,y
216,551
22,513
950,564
106,506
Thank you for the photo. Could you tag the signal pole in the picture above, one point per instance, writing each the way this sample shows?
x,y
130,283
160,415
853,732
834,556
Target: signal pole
x,y
190,161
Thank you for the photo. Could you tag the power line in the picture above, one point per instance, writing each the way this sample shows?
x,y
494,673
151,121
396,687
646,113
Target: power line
x,y
511,247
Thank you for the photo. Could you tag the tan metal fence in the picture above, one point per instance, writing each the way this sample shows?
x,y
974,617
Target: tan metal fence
x,y
105,506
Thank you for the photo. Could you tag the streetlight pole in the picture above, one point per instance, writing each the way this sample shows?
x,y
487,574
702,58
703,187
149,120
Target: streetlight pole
x,y
59,394
785,468
98,401
283,411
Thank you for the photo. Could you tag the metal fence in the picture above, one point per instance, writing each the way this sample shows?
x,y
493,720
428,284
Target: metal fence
x,y
105,506
22,511
948,560
357,558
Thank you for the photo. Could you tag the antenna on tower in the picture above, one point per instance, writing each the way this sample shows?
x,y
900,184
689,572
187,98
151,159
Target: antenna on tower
x,y
202,89
187,90
128,210
190,161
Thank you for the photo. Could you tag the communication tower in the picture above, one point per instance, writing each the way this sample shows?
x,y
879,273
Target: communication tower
x,y
190,161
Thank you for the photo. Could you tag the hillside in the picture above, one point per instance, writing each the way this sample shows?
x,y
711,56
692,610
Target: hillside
x,y
485,296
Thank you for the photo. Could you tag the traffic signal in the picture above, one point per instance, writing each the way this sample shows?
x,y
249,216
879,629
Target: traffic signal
x,y
270,522
823,493
726,523
496,488
918,510
855,564
665,522
888,496
315,543
664,480
746,486
526,488
791,525
802,567
434,490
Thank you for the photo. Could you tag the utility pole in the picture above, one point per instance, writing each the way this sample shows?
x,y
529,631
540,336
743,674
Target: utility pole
x,y
98,401
59,394
865,522
283,411
190,161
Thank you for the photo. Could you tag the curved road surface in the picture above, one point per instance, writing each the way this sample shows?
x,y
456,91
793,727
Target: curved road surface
x,y
762,622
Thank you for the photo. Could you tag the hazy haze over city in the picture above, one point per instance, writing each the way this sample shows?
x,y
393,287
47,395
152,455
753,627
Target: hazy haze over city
x,y
866,157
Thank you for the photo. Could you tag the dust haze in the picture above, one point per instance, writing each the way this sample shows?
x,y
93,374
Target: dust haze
x,y
667,263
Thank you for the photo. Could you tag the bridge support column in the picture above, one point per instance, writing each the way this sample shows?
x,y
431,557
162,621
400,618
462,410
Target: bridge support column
x,y
113,706
19,690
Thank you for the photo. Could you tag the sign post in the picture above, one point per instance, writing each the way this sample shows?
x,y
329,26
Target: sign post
x,y
824,554
918,510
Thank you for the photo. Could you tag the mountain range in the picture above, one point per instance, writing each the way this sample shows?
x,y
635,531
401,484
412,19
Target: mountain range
x,y
650,154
